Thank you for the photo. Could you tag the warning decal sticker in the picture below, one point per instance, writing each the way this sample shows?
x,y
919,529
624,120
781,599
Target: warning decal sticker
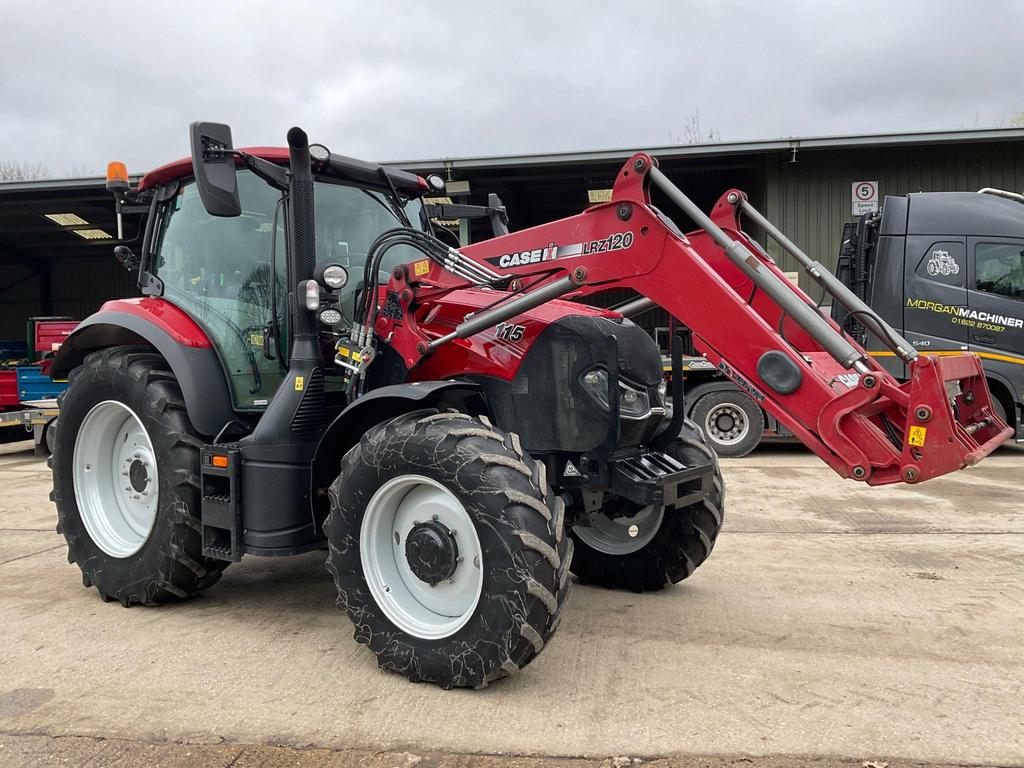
x,y
917,436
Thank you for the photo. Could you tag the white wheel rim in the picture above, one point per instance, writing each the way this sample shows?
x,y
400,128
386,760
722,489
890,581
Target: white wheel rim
x,y
621,535
116,478
727,423
423,611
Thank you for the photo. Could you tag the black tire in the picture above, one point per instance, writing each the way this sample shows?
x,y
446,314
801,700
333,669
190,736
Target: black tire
x,y
48,441
1000,410
716,408
683,541
519,521
169,566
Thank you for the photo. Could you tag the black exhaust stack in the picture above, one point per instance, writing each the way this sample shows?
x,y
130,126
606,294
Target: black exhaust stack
x,y
302,243
295,416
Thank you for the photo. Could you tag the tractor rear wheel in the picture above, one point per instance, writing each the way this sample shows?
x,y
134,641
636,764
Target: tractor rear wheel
x,y
126,480
447,547
645,548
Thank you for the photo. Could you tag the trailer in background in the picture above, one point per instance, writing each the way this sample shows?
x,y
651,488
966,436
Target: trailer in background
x,y
28,394
36,418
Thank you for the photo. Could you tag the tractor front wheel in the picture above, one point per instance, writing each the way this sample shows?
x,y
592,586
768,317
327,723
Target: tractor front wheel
x,y
627,546
126,480
447,548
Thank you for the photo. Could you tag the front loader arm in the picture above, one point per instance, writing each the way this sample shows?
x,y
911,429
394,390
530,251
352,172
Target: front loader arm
x,y
814,379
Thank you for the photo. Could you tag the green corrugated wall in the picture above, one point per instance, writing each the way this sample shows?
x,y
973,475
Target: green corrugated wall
x,y
809,200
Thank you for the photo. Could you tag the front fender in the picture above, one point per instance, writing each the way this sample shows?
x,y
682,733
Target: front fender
x,y
186,349
383,404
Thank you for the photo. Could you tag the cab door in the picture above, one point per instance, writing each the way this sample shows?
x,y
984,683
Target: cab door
x,y
935,291
996,300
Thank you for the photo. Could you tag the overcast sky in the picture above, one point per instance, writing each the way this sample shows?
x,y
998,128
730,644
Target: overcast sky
x,y
82,83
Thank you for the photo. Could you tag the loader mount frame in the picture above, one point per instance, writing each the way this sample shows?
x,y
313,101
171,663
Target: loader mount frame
x,y
755,326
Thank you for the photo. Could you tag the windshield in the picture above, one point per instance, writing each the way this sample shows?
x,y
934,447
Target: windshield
x,y
219,269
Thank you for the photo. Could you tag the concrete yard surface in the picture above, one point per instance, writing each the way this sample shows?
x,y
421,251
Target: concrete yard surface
x,y
834,624
30,751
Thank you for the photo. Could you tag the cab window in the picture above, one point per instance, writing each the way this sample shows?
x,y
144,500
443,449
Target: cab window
x,y
219,269
999,269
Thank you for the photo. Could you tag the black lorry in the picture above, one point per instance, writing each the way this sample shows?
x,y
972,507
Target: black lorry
x,y
946,269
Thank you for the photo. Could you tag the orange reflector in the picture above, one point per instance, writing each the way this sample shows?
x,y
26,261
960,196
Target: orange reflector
x,y
117,171
219,461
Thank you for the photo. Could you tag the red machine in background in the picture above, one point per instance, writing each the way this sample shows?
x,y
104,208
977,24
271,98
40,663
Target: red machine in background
x,y
27,391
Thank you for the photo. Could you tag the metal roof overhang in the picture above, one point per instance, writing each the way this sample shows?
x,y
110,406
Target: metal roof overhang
x,y
727,148
26,234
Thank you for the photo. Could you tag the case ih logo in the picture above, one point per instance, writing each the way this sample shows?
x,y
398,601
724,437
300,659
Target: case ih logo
x,y
620,241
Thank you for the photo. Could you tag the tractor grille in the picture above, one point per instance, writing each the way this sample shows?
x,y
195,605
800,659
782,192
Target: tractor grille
x,y
309,416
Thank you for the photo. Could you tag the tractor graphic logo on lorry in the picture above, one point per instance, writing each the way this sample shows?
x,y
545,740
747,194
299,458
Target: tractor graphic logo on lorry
x,y
941,263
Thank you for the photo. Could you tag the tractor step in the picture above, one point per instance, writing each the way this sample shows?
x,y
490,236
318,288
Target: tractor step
x,y
221,472
659,479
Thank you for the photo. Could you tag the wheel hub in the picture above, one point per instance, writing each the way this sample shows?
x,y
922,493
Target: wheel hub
x,y
424,583
431,552
116,478
138,476
725,422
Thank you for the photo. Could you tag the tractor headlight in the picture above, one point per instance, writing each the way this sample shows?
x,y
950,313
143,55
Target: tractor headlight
x,y
334,276
329,316
633,403
319,153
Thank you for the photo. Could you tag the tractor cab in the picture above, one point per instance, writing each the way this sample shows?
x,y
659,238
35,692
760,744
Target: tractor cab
x,y
229,272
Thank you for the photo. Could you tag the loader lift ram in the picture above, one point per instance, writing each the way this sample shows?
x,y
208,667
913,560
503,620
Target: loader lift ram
x,y
310,368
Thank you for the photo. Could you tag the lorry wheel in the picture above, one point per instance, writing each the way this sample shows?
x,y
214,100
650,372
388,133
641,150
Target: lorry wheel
x,y
447,548
645,548
1000,410
126,480
732,422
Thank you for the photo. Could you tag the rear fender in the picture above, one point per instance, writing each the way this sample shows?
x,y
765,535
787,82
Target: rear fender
x,y
183,345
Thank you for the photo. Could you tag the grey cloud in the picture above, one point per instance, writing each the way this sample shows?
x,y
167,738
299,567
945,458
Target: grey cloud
x,y
82,83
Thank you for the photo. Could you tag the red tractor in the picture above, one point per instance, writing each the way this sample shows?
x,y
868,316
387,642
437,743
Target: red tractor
x,y
310,368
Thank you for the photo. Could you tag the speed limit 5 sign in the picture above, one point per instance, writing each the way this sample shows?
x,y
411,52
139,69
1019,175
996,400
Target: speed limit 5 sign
x,y
864,197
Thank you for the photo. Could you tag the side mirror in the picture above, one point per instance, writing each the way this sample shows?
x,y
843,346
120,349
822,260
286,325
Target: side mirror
x,y
214,165
127,258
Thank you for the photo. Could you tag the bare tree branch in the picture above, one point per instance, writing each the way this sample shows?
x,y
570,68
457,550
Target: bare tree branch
x,y
12,170
694,132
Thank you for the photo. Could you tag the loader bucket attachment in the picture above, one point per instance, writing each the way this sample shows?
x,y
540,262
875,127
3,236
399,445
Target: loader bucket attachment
x,y
938,421
951,423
